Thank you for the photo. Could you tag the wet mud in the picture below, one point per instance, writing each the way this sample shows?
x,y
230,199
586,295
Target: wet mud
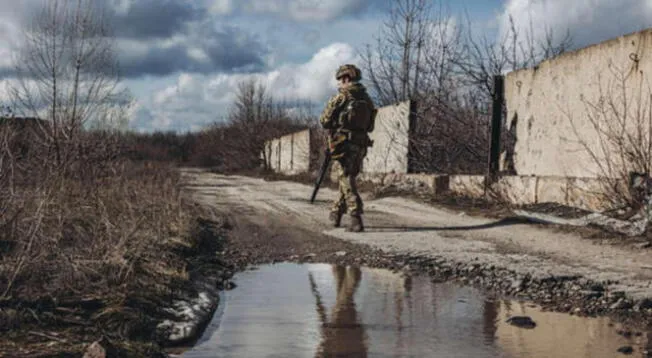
x,y
326,310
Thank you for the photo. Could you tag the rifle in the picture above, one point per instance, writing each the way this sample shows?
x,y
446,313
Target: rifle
x,y
322,173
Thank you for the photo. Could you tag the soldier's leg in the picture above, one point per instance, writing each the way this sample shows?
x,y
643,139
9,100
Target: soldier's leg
x,y
354,202
351,196
339,205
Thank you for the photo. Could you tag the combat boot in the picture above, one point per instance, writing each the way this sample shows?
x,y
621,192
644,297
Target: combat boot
x,y
356,224
335,217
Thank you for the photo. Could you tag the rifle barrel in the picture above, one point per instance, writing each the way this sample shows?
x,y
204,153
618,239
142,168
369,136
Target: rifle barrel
x,y
322,174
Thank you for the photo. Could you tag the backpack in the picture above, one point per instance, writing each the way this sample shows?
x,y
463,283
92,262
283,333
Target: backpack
x,y
359,116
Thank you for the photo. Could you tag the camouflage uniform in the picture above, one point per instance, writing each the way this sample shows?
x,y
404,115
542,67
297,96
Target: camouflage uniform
x,y
348,149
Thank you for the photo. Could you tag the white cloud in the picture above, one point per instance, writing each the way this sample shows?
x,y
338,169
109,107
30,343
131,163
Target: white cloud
x,y
133,49
221,7
122,6
9,34
166,100
589,21
198,54
315,79
197,100
10,29
305,10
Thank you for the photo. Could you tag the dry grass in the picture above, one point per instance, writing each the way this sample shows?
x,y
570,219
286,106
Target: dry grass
x,y
98,249
72,239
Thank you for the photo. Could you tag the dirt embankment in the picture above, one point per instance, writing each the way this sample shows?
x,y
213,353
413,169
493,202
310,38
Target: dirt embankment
x,y
557,268
145,322
111,260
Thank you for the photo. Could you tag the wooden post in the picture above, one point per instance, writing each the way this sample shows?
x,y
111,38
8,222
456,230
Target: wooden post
x,y
496,123
292,152
412,123
278,154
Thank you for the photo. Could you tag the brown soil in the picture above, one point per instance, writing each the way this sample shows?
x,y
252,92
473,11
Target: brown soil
x,y
479,207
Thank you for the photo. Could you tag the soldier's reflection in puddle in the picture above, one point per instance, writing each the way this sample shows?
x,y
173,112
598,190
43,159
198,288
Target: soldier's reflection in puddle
x,y
342,334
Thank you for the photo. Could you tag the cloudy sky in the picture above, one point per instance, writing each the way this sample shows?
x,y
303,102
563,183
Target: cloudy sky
x,y
182,59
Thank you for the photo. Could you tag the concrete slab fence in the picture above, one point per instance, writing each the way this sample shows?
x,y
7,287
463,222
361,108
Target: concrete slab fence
x,y
556,154
290,154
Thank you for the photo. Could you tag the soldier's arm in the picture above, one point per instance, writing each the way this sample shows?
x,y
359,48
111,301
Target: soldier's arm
x,y
329,116
374,113
373,105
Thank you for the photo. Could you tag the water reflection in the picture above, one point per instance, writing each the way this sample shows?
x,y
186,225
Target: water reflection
x,y
319,310
342,334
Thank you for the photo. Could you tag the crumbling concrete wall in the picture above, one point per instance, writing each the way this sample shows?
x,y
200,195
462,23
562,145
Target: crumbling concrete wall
x,y
301,149
272,154
286,154
389,153
433,183
585,193
297,152
290,154
550,107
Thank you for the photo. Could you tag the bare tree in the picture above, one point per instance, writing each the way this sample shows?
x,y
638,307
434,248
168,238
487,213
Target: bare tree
x,y
417,57
482,57
67,71
615,131
422,54
413,53
302,112
254,118
250,115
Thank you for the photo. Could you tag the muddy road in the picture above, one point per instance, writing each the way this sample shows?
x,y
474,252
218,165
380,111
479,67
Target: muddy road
x,y
323,310
276,222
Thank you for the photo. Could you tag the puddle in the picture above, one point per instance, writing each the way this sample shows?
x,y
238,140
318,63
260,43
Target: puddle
x,y
315,310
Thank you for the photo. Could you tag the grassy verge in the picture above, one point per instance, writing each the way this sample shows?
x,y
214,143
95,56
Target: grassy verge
x,y
99,257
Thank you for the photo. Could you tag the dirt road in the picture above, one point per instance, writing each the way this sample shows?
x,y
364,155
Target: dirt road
x,y
402,226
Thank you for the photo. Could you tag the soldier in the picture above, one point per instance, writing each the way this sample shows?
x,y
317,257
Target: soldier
x,y
349,117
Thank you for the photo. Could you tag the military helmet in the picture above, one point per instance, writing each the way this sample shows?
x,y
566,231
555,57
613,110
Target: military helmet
x,y
349,70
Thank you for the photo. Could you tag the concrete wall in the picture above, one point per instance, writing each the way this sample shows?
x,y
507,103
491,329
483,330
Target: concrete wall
x,y
286,154
301,148
549,106
469,185
272,154
434,183
582,193
296,152
289,154
389,154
